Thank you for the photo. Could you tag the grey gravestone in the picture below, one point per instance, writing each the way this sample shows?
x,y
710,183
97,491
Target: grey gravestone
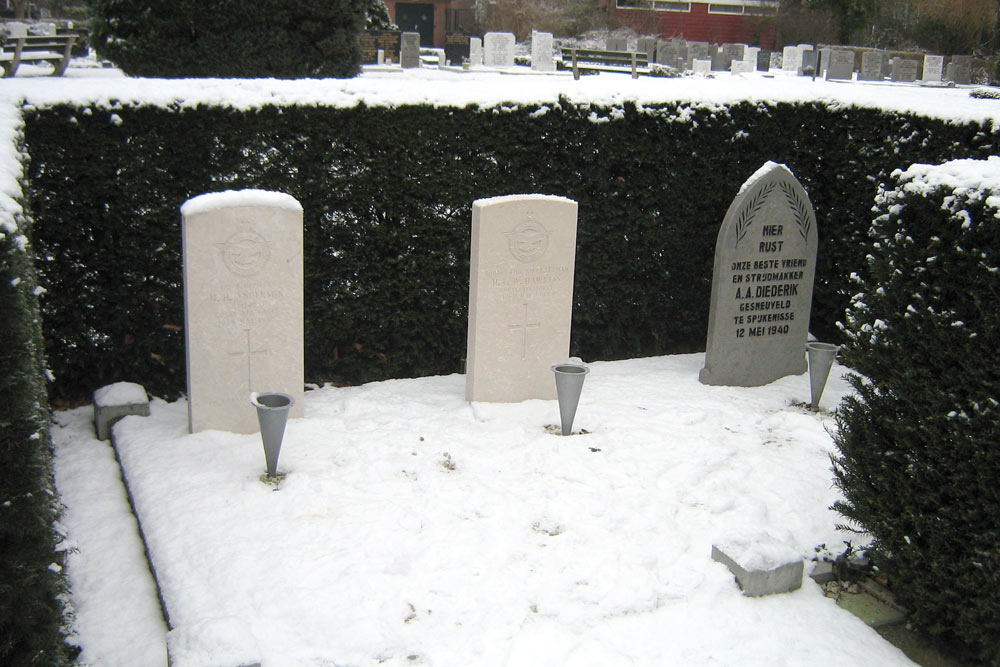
x,y
701,67
764,61
960,69
871,66
541,52
905,70
409,50
720,59
475,51
791,59
520,296
824,60
697,51
777,60
373,41
762,283
666,54
616,44
810,63
243,305
734,51
841,65
647,45
762,565
933,68
498,49
741,67
115,401
750,54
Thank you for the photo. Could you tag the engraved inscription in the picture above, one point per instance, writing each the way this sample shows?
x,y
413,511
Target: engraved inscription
x,y
528,241
246,252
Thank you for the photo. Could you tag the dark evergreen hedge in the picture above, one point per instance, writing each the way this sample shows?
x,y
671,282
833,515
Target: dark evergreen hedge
x,y
387,195
230,38
919,459
31,613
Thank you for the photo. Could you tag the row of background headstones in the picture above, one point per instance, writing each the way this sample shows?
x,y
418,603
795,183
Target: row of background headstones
x,y
497,50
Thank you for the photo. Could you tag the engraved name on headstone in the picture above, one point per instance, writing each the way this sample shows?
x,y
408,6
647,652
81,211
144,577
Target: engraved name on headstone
x,y
762,283
871,66
409,50
541,52
520,296
905,70
243,305
933,68
841,65
498,49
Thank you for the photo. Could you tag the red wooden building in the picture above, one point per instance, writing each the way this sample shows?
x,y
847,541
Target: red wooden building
x,y
719,21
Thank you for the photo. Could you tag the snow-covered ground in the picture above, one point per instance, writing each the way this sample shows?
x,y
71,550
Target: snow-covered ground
x,y
415,528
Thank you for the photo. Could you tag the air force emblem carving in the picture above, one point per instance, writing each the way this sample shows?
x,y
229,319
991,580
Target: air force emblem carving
x,y
245,253
528,241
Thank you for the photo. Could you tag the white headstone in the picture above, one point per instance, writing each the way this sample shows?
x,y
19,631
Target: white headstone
x,y
791,59
475,51
16,29
243,307
701,67
933,68
541,52
743,66
520,296
841,65
498,49
762,283
750,55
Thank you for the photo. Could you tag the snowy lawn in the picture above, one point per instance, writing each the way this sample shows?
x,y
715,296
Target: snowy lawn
x,y
412,527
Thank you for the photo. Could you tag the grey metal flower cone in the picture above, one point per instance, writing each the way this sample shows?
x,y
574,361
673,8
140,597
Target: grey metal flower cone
x,y
569,384
821,356
272,414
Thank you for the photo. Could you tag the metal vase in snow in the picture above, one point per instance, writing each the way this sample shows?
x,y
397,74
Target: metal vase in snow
x,y
569,384
821,356
272,413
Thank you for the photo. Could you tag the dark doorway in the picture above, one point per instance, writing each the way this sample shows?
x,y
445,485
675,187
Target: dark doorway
x,y
416,17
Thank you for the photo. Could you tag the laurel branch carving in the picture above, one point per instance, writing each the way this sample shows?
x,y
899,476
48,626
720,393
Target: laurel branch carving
x,y
750,211
799,209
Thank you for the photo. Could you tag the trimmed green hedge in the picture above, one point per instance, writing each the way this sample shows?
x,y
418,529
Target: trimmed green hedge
x,y
387,194
919,460
31,583
230,38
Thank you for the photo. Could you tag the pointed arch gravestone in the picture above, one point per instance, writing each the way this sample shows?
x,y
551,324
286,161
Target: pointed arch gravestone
x,y
762,283
243,305
520,296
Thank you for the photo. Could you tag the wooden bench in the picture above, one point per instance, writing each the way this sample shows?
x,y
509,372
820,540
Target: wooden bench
x,y
36,48
604,61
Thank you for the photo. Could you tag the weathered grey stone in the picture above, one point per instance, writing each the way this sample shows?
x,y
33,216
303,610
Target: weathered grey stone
x,y
823,572
960,69
841,65
905,70
871,66
762,566
243,305
498,49
541,52
114,401
616,44
791,59
741,67
810,63
762,283
933,68
409,50
520,296
475,51
763,61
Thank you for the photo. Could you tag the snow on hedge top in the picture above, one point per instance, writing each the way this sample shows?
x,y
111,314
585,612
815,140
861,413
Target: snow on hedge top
x,y
961,176
214,201
488,89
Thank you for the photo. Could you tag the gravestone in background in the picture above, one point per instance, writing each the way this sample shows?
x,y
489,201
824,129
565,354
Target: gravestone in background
x,y
762,283
701,67
791,59
541,52
374,40
720,59
764,61
905,70
741,67
933,68
456,47
409,51
810,63
647,45
960,69
824,60
498,49
841,65
616,44
243,305
697,51
734,51
475,51
871,67
520,296
750,55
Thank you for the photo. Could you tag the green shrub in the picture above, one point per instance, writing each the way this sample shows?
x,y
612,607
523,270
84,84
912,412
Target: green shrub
x,y
387,196
919,461
230,38
31,615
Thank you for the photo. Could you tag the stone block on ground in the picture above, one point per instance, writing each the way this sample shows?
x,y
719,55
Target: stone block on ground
x,y
762,564
115,401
